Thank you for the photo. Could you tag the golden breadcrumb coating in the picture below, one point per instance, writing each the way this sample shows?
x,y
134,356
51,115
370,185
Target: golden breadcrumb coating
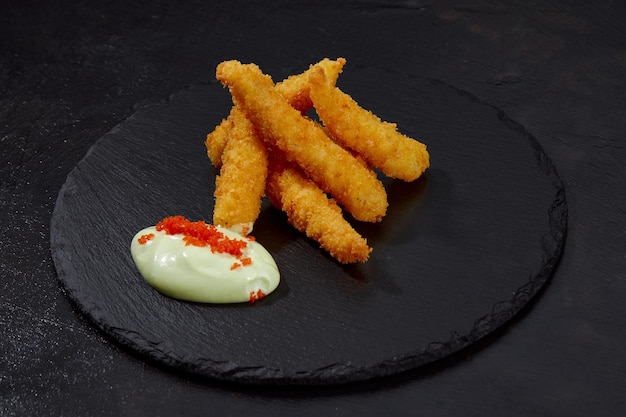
x,y
216,140
295,88
353,127
333,169
240,185
310,211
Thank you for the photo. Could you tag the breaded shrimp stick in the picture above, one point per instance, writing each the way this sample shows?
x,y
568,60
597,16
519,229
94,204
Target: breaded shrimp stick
x,y
310,211
332,168
378,142
294,88
241,183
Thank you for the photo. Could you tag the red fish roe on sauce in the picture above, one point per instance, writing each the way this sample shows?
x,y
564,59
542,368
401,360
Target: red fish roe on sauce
x,y
199,233
143,239
256,296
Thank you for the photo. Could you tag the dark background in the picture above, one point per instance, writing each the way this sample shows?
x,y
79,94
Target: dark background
x,y
70,71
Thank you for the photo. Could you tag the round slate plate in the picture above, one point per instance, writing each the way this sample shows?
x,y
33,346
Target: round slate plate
x,y
460,252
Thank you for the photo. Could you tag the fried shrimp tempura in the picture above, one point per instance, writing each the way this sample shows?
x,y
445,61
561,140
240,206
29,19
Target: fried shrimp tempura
x,y
310,211
333,169
378,142
241,183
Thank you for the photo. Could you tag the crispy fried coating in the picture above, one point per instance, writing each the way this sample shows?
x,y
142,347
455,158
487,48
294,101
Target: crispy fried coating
x,y
378,142
333,169
216,140
310,211
241,183
295,88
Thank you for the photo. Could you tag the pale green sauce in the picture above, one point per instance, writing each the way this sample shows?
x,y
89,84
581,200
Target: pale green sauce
x,y
196,274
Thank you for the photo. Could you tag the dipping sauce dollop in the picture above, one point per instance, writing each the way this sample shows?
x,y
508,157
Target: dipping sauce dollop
x,y
199,262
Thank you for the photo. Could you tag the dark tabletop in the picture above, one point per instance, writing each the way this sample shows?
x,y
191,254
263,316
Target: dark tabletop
x,y
70,71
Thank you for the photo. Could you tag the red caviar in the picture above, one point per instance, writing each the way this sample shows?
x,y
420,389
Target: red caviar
x,y
244,262
202,234
256,296
143,239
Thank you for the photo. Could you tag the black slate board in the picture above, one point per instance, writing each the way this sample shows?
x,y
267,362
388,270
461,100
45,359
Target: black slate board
x,y
461,251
